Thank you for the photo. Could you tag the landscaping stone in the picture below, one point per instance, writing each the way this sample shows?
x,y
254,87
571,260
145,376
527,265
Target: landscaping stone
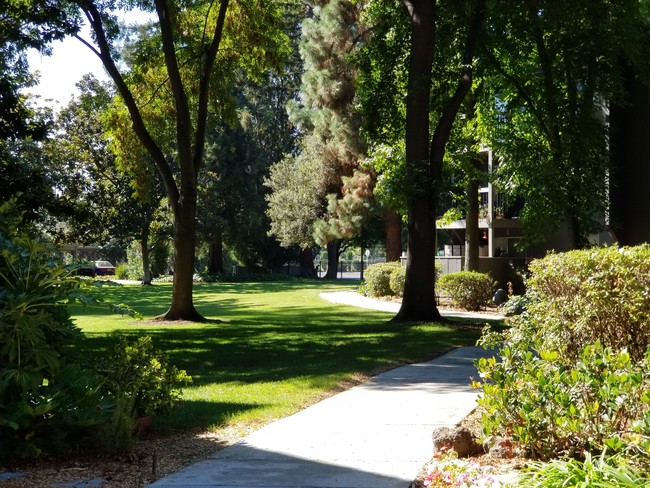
x,y
460,440
500,297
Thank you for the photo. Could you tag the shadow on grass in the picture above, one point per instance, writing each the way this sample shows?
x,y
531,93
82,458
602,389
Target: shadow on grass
x,y
278,334
203,414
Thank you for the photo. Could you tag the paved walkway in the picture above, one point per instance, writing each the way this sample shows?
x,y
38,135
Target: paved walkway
x,y
354,299
375,435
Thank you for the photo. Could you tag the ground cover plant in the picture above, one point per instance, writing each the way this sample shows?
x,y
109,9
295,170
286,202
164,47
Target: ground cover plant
x,y
269,348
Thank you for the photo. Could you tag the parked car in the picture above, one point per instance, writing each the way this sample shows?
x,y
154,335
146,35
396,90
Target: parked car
x,y
103,268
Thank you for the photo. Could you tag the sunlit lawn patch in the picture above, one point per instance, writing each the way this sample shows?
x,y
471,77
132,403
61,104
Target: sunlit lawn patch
x,y
268,349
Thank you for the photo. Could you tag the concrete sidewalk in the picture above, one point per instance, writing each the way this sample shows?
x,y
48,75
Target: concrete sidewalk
x,y
354,299
375,435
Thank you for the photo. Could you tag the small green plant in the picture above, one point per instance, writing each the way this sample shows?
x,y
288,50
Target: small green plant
x,y
117,434
122,271
377,278
138,371
550,406
602,472
468,289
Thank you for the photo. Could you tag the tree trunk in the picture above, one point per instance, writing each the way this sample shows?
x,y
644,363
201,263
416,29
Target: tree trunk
x,y
471,226
333,249
424,161
418,301
630,157
393,229
215,255
182,306
146,261
306,259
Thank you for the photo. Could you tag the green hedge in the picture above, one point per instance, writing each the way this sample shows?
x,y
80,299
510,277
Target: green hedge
x,y
377,278
601,294
396,281
468,289
573,374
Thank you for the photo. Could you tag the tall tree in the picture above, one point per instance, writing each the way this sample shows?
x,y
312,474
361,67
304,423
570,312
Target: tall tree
x,y
84,172
26,24
544,109
197,46
241,150
425,155
330,124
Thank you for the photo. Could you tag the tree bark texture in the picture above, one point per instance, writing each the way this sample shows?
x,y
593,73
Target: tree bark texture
x,y
333,250
418,301
424,160
306,260
182,306
190,144
393,230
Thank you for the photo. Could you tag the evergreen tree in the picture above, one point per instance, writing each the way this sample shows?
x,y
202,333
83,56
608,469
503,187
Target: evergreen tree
x,y
331,147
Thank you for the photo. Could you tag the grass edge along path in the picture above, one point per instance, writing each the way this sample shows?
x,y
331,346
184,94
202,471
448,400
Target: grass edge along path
x,y
269,349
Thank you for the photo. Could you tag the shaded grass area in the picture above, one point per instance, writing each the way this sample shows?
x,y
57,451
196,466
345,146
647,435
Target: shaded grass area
x,y
269,348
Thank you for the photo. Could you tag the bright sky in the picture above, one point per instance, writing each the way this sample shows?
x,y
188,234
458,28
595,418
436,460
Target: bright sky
x,y
70,60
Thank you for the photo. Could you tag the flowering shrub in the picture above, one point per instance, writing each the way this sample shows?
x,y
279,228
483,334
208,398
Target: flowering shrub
x,y
449,471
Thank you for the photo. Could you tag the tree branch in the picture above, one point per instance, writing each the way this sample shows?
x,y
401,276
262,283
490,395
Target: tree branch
x,y
210,57
443,130
183,118
139,127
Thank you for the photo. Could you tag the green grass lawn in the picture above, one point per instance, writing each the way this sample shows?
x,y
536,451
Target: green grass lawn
x,y
269,348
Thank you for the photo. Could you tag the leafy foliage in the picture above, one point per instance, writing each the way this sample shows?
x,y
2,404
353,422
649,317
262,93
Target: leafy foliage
x,y
44,393
468,289
603,472
573,372
377,278
331,147
396,281
139,372
581,297
551,406
542,109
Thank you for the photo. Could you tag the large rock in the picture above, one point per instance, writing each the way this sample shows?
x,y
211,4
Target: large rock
x,y
460,440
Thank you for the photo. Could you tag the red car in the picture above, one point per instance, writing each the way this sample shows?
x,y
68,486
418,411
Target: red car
x,y
103,268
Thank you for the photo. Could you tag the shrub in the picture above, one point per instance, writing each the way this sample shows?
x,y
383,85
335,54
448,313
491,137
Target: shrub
x,y
574,371
551,407
45,395
122,271
138,371
601,294
377,278
396,281
468,289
